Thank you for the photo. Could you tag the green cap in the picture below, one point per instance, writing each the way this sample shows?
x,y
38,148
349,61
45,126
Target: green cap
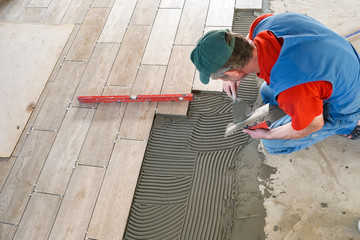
x,y
211,53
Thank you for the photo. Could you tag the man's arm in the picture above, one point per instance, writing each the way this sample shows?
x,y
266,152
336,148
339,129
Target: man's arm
x,y
286,131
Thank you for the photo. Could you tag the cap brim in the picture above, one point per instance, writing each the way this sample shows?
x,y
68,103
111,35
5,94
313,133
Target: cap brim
x,y
204,78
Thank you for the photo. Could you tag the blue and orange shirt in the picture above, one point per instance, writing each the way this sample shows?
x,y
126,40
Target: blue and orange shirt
x,y
302,102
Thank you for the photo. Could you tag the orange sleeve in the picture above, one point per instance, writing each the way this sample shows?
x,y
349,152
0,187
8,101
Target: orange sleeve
x,y
255,23
304,102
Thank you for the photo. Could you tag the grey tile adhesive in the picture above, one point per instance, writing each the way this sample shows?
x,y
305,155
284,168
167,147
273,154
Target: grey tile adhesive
x,y
194,182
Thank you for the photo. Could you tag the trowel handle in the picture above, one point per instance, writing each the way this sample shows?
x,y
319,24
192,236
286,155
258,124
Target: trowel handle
x,y
263,125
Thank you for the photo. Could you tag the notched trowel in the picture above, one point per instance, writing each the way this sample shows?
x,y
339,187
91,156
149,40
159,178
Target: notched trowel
x,y
253,120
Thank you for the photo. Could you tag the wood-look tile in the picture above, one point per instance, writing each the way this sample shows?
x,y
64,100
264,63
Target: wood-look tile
x,y
97,71
5,166
172,4
109,220
162,36
76,209
7,231
103,130
179,78
39,3
55,11
118,21
15,10
137,120
145,12
139,117
249,4
32,15
213,85
63,155
102,3
15,193
66,49
128,59
76,11
223,17
39,217
149,80
54,108
88,34
192,22
4,5
30,123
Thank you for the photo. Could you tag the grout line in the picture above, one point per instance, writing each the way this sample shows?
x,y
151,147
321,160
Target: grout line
x,y
131,139
89,165
12,224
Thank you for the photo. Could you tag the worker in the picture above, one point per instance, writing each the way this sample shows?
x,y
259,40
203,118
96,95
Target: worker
x,y
309,71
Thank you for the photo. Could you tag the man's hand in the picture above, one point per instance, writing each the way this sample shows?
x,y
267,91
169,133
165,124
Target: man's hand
x,y
286,131
231,87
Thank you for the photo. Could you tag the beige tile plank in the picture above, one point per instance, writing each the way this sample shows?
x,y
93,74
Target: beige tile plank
x,y
128,59
32,15
138,117
179,78
16,10
76,12
63,155
162,36
102,3
137,121
149,80
15,194
39,217
7,231
30,124
76,209
109,220
192,22
39,3
88,34
103,130
213,85
55,11
173,108
249,4
66,49
4,5
172,4
118,21
53,110
5,166
145,12
97,71
221,13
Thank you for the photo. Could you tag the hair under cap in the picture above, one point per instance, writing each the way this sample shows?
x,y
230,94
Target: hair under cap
x,y
211,53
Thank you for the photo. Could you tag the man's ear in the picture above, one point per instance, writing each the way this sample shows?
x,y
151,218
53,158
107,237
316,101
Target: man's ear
x,y
232,73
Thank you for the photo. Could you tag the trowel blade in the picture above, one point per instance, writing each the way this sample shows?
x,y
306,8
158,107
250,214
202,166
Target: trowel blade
x,y
258,115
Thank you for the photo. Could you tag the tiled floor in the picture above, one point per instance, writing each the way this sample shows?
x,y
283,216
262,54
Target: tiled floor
x,y
75,168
